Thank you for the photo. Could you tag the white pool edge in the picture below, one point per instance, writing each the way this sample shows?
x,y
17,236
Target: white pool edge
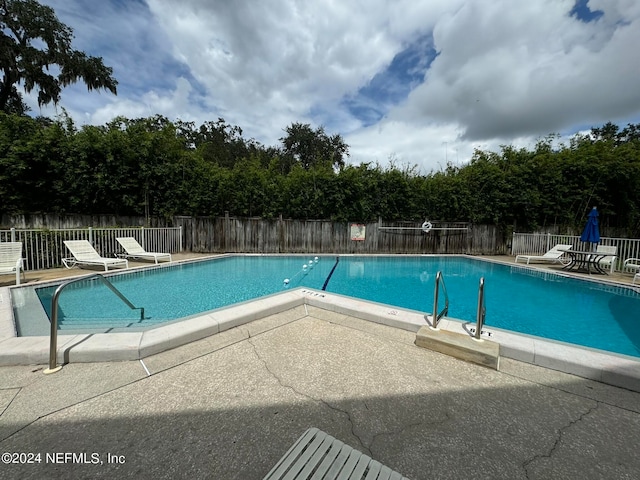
x,y
618,370
610,368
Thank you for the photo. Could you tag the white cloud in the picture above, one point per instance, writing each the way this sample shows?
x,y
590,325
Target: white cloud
x,y
506,72
176,101
430,148
265,65
268,62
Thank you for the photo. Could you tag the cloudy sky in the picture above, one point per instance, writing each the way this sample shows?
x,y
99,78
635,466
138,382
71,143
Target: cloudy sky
x,y
416,82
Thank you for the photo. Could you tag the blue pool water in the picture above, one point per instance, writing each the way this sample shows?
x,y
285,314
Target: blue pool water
x,y
520,299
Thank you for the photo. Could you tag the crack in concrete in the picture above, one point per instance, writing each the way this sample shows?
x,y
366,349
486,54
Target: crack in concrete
x,y
6,409
397,431
574,393
15,395
303,394
401,429
246,331
556,444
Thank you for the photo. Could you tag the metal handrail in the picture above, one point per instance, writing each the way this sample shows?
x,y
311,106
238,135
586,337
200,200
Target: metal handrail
x,y
53,338
482,311
437,316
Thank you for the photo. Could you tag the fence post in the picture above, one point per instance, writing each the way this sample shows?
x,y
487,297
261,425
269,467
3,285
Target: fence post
x,y
180,238
91,235
227,233
142,236
13,234
548,241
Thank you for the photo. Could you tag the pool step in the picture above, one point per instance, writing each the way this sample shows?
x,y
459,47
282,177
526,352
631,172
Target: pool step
x,y
460,345
83,323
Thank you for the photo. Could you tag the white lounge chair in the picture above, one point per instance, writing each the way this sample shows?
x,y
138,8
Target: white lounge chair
x,y
135,250
11,259
610,260
84,254
324,456
631,264
636,277
554,255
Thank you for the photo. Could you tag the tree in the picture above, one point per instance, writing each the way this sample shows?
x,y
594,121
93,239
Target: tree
x,y
34,158
311,148
25,25
221,143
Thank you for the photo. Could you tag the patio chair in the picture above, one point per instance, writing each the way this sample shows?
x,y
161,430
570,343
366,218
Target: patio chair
x,y
317,453
11,259
85,255
636,277
632,264
554,255
610,260
135,250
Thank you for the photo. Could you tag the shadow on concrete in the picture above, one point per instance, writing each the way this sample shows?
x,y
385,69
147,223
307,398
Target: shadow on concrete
x,y
523,432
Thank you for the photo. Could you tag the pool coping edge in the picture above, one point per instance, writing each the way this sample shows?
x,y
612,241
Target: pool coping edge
x,y
609,368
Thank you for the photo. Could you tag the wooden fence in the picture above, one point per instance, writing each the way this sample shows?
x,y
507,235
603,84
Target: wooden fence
x,y
257,235
61,222
42,236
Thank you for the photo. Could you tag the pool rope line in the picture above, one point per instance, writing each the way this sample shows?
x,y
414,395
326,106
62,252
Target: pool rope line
x,y
305,269
326,282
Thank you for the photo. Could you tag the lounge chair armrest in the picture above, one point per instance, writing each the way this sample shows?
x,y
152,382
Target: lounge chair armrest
x,y
632,260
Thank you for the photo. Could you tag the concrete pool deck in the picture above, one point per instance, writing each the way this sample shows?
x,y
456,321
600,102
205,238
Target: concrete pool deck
x,y
617,370
230,405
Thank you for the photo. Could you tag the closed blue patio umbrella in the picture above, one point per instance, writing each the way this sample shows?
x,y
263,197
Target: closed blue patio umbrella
x,y
591,232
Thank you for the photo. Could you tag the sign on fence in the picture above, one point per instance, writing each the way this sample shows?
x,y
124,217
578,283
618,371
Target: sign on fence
x,y
358,232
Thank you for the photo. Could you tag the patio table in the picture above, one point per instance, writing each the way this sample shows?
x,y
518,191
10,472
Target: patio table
x,y
586,261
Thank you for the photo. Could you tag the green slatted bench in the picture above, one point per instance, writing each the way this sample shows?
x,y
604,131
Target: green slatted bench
x,y
318,456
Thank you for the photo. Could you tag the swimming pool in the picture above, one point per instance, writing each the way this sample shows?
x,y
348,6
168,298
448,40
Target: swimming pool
x,y
520,299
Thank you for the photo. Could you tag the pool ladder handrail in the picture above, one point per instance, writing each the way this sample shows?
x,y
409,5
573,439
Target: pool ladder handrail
x,y
482,311
53,338
438,315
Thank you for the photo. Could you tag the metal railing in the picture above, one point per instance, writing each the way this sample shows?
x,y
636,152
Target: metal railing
x,y
438,315
53,338
539,243
482,311
43,248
